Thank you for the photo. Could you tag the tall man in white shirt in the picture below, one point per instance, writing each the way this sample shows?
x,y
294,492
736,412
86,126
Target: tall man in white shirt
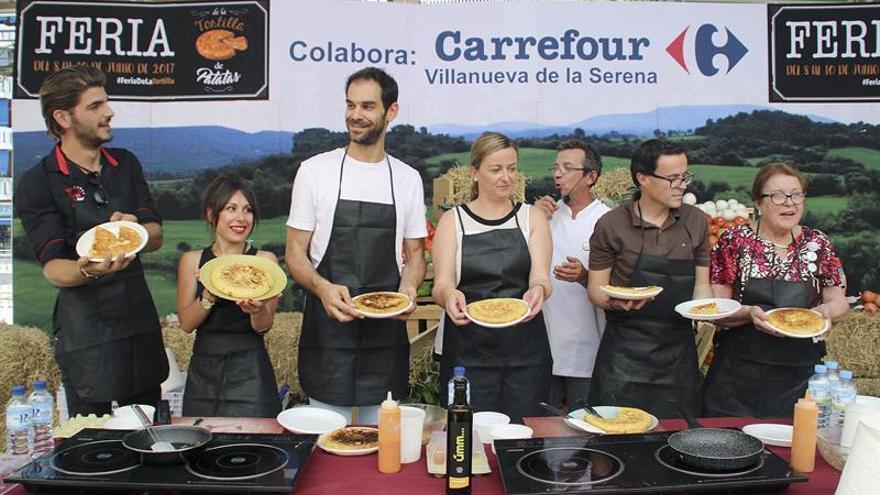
x,y
354,211
574,325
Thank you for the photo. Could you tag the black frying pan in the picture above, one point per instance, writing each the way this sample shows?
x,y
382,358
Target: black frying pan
x,y
187,441
717,449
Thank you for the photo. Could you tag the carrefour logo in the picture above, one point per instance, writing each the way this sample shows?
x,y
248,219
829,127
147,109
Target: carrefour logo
x,y
705,50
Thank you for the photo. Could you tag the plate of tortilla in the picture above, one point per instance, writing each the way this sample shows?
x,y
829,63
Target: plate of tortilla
x,y
708,309
243,276
799,323
615,421
350,441
631,293
498,312
382,304
113,239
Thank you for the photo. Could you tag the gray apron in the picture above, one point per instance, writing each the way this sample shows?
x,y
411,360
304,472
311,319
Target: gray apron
x,y
108,341
648,358
758,375
356,363
509,369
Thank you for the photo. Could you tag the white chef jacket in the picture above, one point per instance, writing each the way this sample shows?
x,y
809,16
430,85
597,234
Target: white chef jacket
x,y
574,325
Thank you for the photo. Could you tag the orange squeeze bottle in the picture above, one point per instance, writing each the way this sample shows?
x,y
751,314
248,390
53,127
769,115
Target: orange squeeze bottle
x,y
803,438
389,436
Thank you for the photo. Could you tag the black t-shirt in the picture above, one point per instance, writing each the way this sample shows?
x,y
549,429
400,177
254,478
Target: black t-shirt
x,y
48,194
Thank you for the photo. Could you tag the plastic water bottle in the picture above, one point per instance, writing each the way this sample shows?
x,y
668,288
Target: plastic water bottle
x,y
457,371
19,429
841,396
833,375
820,392
41,404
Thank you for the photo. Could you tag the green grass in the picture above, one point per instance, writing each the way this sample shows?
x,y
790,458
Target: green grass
x,y
868,157
825,205
533,162
734,176
34,297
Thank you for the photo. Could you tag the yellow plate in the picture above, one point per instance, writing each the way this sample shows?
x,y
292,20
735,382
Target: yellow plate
x,y
279,279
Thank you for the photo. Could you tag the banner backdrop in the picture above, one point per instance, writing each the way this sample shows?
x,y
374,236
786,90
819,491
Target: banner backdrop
x,y
615,72
824,53
149,52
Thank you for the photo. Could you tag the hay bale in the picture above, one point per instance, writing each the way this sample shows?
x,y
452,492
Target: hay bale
x,y
855,344
462,183
614,187
26,355
868,386
282,342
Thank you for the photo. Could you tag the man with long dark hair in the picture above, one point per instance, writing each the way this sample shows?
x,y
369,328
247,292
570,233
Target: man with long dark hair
x,y
108,342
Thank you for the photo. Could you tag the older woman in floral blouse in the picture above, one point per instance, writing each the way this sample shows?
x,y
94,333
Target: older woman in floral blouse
x,y
772,263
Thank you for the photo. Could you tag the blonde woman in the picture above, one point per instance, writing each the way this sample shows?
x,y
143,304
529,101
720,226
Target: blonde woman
x,y
492,247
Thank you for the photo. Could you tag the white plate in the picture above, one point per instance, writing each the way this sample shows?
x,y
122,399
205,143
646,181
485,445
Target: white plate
x,y
346,452
799,335
770,434
726,307
631,297
384,315
500,325
123,423
85,241
310,420
606,411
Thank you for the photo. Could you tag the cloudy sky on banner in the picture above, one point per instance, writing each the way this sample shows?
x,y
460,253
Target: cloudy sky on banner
x,y
443,56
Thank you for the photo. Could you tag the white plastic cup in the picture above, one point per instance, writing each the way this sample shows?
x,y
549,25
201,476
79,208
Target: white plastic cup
x,y
412,420
855,412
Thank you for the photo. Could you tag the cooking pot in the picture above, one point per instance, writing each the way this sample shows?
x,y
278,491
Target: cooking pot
x,y
716,449
187,441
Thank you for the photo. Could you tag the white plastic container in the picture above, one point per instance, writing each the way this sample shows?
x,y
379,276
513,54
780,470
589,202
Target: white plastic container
x,y
484,420
412,420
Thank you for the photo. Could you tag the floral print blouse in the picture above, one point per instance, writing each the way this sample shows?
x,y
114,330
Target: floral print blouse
x,y
740,254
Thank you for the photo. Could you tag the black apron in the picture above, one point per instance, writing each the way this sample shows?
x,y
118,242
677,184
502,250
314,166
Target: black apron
x,y
230,373
648,358
758,375
108,341
509,369
356,363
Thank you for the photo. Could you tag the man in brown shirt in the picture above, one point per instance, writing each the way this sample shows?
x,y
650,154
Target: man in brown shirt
x,y
647,355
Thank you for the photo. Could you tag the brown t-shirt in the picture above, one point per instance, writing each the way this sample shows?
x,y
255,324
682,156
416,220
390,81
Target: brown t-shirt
x,y
617,239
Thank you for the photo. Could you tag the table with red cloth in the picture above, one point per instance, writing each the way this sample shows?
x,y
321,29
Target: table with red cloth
x,y
327,474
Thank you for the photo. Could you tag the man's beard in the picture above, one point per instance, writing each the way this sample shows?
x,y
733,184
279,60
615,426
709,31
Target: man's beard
x,y
88,136
371,136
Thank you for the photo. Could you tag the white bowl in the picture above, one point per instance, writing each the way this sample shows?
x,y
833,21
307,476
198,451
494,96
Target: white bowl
x,y
484,420
123,423
868,400
509,432
128,412
310,420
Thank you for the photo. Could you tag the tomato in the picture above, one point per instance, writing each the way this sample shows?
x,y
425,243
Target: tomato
x,y
713,229
869,297
870,308
740,221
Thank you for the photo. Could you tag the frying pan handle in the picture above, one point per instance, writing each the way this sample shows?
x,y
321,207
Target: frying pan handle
x,y
686,414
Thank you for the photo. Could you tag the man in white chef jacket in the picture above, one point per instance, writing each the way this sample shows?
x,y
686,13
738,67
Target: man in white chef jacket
x,y
574,325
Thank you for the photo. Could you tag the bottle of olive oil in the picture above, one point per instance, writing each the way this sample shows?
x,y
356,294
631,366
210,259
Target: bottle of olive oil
x,y
460,418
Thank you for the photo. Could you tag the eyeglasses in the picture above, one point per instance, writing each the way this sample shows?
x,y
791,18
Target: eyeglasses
x,y
565,169
100,196
674,182
779,198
